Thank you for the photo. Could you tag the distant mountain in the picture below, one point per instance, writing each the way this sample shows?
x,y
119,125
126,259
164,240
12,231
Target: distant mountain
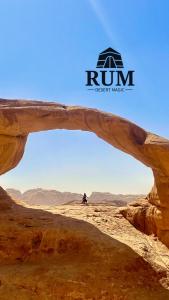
x,y
114,199
44,197
41,196
15,194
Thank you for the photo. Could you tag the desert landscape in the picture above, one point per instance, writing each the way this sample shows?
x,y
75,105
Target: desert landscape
x,y
111,249
84,150
44,197
78,252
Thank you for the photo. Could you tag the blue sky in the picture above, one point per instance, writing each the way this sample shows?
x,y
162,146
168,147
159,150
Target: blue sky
x,y
45,48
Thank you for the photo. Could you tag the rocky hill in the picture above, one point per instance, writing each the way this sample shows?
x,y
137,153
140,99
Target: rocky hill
x,y
41,196
114,199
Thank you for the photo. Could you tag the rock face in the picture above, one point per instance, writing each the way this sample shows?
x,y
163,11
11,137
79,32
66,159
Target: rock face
x,y
18,118
141,215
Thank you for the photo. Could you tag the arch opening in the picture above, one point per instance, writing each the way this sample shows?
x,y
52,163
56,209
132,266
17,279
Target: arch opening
x,y
20,117
77,162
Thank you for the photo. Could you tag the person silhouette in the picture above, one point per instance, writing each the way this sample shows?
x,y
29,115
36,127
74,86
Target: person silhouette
x,y
84,199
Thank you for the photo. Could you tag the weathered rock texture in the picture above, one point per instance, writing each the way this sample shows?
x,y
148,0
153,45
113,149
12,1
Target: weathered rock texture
x,y
18,118
54,256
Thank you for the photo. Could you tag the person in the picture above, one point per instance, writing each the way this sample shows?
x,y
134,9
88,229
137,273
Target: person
x,y
84,199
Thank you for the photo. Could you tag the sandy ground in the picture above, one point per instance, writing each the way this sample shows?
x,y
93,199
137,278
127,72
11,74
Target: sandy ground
x,y
76,252
109,220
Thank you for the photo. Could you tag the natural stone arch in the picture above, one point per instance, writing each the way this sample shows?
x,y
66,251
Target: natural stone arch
x,y
18,118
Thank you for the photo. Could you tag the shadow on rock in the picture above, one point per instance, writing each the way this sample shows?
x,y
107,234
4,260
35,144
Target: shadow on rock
x,y
47,256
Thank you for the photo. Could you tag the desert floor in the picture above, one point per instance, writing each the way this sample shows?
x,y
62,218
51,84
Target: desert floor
x,y
76,252
109,220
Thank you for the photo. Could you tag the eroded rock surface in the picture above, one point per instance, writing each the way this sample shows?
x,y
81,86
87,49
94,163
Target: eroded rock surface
x,y
18,118
78,253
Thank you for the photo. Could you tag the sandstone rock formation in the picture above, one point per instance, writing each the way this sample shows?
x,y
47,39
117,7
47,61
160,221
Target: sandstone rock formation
x,y
54,256
18,118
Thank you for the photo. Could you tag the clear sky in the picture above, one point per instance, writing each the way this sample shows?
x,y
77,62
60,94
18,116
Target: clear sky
x,y
45,48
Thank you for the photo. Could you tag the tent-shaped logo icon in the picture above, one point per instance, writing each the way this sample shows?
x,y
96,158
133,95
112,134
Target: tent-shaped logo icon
x,y
109,58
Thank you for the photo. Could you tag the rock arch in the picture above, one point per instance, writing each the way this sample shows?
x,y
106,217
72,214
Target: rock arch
x,y
18,118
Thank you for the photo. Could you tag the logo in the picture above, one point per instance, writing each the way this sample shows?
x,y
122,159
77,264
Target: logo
x,y
115,80
109,58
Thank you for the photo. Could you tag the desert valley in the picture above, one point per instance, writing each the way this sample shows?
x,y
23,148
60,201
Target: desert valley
x,y
74,251
39,196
